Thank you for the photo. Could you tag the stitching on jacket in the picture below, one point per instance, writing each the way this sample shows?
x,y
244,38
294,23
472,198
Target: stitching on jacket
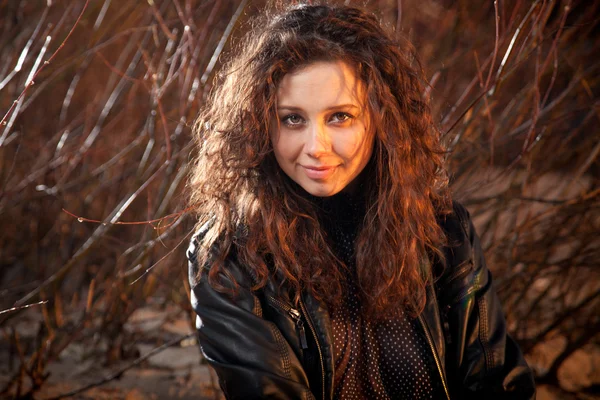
x,y
308,394
279,339
281,343
257,310
483,334
463,216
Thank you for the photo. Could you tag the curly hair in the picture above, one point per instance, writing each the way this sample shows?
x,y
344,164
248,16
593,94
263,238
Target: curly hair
x,y
259,213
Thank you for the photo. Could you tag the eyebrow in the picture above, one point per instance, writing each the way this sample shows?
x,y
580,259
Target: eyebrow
x,y
336,107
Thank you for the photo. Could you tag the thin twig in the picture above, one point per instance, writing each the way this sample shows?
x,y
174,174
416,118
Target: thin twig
x,y
23,307
47,62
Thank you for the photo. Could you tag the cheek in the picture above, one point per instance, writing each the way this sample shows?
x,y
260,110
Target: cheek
x,y
285,147
353,145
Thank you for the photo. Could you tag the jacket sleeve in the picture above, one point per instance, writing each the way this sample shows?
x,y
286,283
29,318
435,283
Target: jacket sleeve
x,y
485,362
249,354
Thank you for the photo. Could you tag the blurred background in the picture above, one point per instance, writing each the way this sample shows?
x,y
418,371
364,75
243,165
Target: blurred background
x,y
96,102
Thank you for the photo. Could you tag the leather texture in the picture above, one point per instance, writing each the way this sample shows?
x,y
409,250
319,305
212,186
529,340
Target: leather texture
x,y
264,347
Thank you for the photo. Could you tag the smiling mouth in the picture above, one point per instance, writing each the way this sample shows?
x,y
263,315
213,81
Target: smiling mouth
x,y
319,168
319,172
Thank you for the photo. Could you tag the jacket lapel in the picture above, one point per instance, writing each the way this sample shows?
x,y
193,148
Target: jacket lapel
x,y
431,318
322,324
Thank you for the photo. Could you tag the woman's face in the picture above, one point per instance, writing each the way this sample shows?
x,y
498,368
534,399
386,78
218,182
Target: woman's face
x,y
322,138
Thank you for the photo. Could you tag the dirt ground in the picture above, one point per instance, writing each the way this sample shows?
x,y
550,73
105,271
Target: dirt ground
x,y
175,372
178,373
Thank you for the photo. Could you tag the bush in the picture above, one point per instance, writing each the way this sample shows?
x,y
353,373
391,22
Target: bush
x,y
97,100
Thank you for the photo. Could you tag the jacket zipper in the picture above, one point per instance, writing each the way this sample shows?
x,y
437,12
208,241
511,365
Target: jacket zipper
x,y
296,316
310,325
435,355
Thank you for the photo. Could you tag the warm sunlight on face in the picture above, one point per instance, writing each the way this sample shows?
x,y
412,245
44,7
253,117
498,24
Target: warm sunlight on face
x,y
322,140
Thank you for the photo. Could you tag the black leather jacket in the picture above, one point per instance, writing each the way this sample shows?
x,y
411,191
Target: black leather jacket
x,y
261,346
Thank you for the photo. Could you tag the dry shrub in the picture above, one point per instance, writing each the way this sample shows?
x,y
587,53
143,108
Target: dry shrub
x,y
103,134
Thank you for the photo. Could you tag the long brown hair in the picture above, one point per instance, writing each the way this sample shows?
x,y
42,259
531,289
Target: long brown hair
x,y
259,213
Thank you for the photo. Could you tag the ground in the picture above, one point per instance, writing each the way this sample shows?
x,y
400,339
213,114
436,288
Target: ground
x,y
177,372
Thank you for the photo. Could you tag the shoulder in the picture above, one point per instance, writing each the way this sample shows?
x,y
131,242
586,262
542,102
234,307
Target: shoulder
x,y
463,269
230,272
458,229
456,224
460,247
193,248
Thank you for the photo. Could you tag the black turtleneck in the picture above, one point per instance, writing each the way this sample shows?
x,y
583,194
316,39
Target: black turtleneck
x,y
341,216
384,360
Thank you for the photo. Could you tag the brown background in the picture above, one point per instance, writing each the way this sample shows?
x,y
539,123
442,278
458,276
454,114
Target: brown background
x,y
93,164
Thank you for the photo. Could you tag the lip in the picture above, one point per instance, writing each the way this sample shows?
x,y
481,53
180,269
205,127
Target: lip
x,y
319,172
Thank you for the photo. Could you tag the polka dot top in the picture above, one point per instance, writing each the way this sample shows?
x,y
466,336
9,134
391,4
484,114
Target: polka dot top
x,y
373,360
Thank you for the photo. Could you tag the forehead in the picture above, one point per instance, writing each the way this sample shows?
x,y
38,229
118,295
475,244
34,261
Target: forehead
x,y
320,85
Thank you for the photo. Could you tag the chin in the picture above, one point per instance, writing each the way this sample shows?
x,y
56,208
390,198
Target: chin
x,y
320,190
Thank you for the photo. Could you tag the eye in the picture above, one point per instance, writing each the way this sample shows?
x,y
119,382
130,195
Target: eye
x,y
340,117
292,120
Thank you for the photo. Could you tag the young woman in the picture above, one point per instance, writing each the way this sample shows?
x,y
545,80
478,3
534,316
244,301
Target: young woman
x,y
330,262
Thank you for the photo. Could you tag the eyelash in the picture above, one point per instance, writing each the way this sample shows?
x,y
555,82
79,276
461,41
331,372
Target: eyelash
x,y
344,117
286,120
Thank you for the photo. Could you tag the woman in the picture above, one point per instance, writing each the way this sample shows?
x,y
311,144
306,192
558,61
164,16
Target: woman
x,y
330,261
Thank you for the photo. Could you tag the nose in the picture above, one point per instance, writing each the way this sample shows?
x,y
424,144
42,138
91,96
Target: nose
x,y
318,141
